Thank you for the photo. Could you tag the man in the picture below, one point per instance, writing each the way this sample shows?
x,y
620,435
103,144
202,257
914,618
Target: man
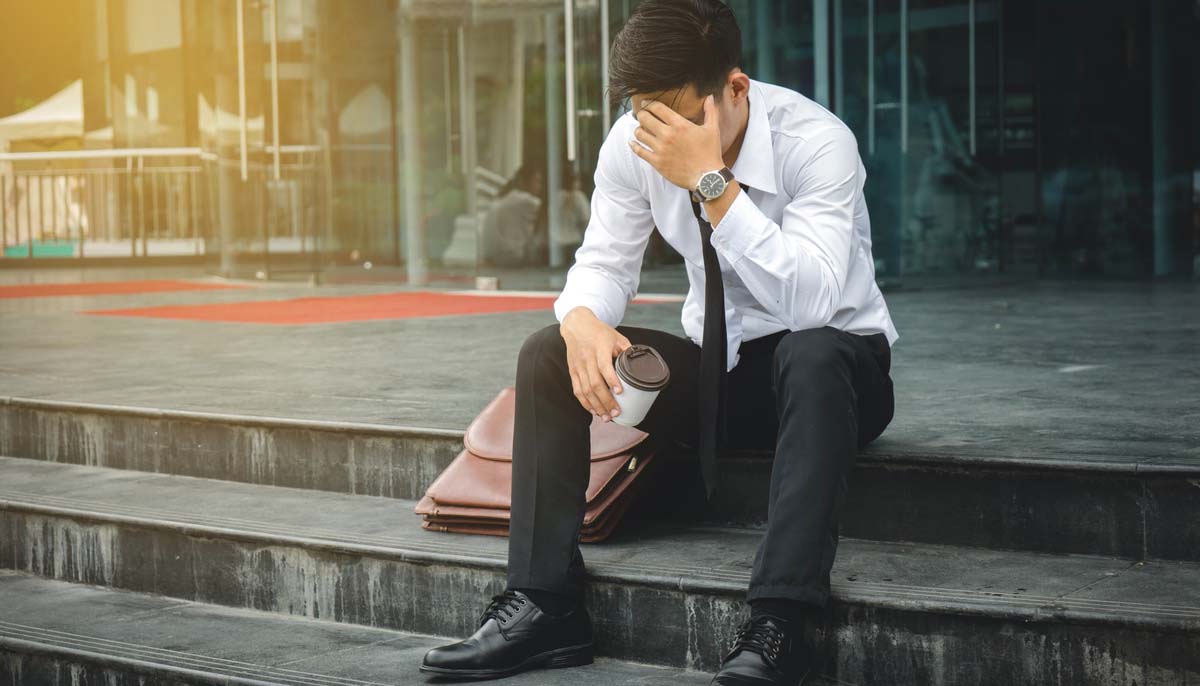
x,y
802,351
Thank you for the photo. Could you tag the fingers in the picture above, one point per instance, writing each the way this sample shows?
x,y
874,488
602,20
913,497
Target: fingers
x,y
644,136
663,112
614,381
587,392
598,390
594,380
591,382
642,152
581,384
653,123
607,380
586,381
578,385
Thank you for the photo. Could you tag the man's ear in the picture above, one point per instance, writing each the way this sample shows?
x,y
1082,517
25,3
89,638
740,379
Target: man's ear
x,y
738,84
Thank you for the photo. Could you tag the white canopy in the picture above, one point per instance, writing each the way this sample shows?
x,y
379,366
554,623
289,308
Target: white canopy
x,y
59,116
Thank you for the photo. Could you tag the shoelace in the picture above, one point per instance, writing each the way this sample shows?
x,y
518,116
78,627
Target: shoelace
x,y
759,636
503,607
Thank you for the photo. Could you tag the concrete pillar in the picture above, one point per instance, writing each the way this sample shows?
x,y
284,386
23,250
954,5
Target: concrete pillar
x,y
227,206
466,95
820,51
410,130
554,126
763,31
1160,145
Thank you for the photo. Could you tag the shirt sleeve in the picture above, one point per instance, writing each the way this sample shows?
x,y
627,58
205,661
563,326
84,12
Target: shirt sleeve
x,y
608,263
797,269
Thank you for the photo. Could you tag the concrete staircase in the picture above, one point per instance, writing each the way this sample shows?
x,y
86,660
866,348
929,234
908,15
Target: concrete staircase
x,y
1022,570
67,633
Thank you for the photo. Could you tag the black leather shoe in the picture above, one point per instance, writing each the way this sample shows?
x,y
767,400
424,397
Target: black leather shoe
x,y
515,635
766,652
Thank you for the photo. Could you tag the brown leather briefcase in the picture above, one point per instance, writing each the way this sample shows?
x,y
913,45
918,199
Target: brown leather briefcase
x,y
473,494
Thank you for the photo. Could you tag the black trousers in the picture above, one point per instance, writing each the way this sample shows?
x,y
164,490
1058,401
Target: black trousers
x,y
816,396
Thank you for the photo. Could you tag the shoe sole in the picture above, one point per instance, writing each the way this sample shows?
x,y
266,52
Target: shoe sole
x,y
571,656
808,677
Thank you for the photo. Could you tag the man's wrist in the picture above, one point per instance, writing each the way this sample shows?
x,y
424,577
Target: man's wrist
x,y
718,206
577,312
721,168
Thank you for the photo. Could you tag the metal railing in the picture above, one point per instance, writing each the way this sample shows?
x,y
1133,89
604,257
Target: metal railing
x,y
102,203
165,201
148,202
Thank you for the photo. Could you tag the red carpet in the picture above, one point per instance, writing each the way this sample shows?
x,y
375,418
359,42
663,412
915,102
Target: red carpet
x,y
38,290
317,310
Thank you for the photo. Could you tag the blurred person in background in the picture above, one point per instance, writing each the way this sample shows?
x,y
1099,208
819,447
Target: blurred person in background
x,y
510,233
574,211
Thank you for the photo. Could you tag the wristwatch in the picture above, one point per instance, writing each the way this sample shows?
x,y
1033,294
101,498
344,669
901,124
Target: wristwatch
x,y
712,184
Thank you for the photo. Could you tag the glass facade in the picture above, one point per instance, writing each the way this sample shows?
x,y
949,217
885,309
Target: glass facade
x,y
1000,136
295,119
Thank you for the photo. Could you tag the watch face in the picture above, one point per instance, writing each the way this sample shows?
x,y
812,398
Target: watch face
x,y
712,185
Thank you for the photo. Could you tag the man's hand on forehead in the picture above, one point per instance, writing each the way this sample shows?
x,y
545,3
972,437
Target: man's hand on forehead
x,y
677,147
659,110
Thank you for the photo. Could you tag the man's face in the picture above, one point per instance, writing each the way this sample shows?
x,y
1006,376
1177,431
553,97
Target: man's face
x,y
690,103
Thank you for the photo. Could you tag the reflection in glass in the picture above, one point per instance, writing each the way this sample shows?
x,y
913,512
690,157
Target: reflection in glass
x,y
999,136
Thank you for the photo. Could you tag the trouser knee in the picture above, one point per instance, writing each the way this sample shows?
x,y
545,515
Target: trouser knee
x,y
543,350
812,366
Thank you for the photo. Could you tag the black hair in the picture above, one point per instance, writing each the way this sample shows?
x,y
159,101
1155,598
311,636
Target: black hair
x,y
523,179
669,44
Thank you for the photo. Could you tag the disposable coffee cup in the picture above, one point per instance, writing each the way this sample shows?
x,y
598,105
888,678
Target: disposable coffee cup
x,y
643,373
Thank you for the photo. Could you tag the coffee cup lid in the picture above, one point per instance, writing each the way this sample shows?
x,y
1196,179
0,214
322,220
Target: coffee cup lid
x,y
643,367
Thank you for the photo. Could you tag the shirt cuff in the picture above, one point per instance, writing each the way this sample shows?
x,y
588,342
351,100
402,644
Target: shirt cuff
x,y
563,305
743,226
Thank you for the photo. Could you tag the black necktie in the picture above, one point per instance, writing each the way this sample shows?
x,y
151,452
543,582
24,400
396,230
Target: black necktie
x,y
713,353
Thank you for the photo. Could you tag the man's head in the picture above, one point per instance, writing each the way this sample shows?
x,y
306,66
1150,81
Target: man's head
x,y
678,52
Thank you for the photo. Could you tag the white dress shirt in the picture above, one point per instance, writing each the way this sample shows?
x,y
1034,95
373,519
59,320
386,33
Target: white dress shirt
x,y
794,248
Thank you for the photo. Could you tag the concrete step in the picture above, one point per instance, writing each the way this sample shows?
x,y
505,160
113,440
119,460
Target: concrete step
x,y
660,594
1136,509
54,632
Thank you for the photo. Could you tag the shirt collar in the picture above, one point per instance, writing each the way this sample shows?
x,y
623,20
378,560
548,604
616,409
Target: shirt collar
x,y
755,163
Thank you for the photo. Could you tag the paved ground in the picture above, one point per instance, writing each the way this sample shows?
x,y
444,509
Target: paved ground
x,y
1090,371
